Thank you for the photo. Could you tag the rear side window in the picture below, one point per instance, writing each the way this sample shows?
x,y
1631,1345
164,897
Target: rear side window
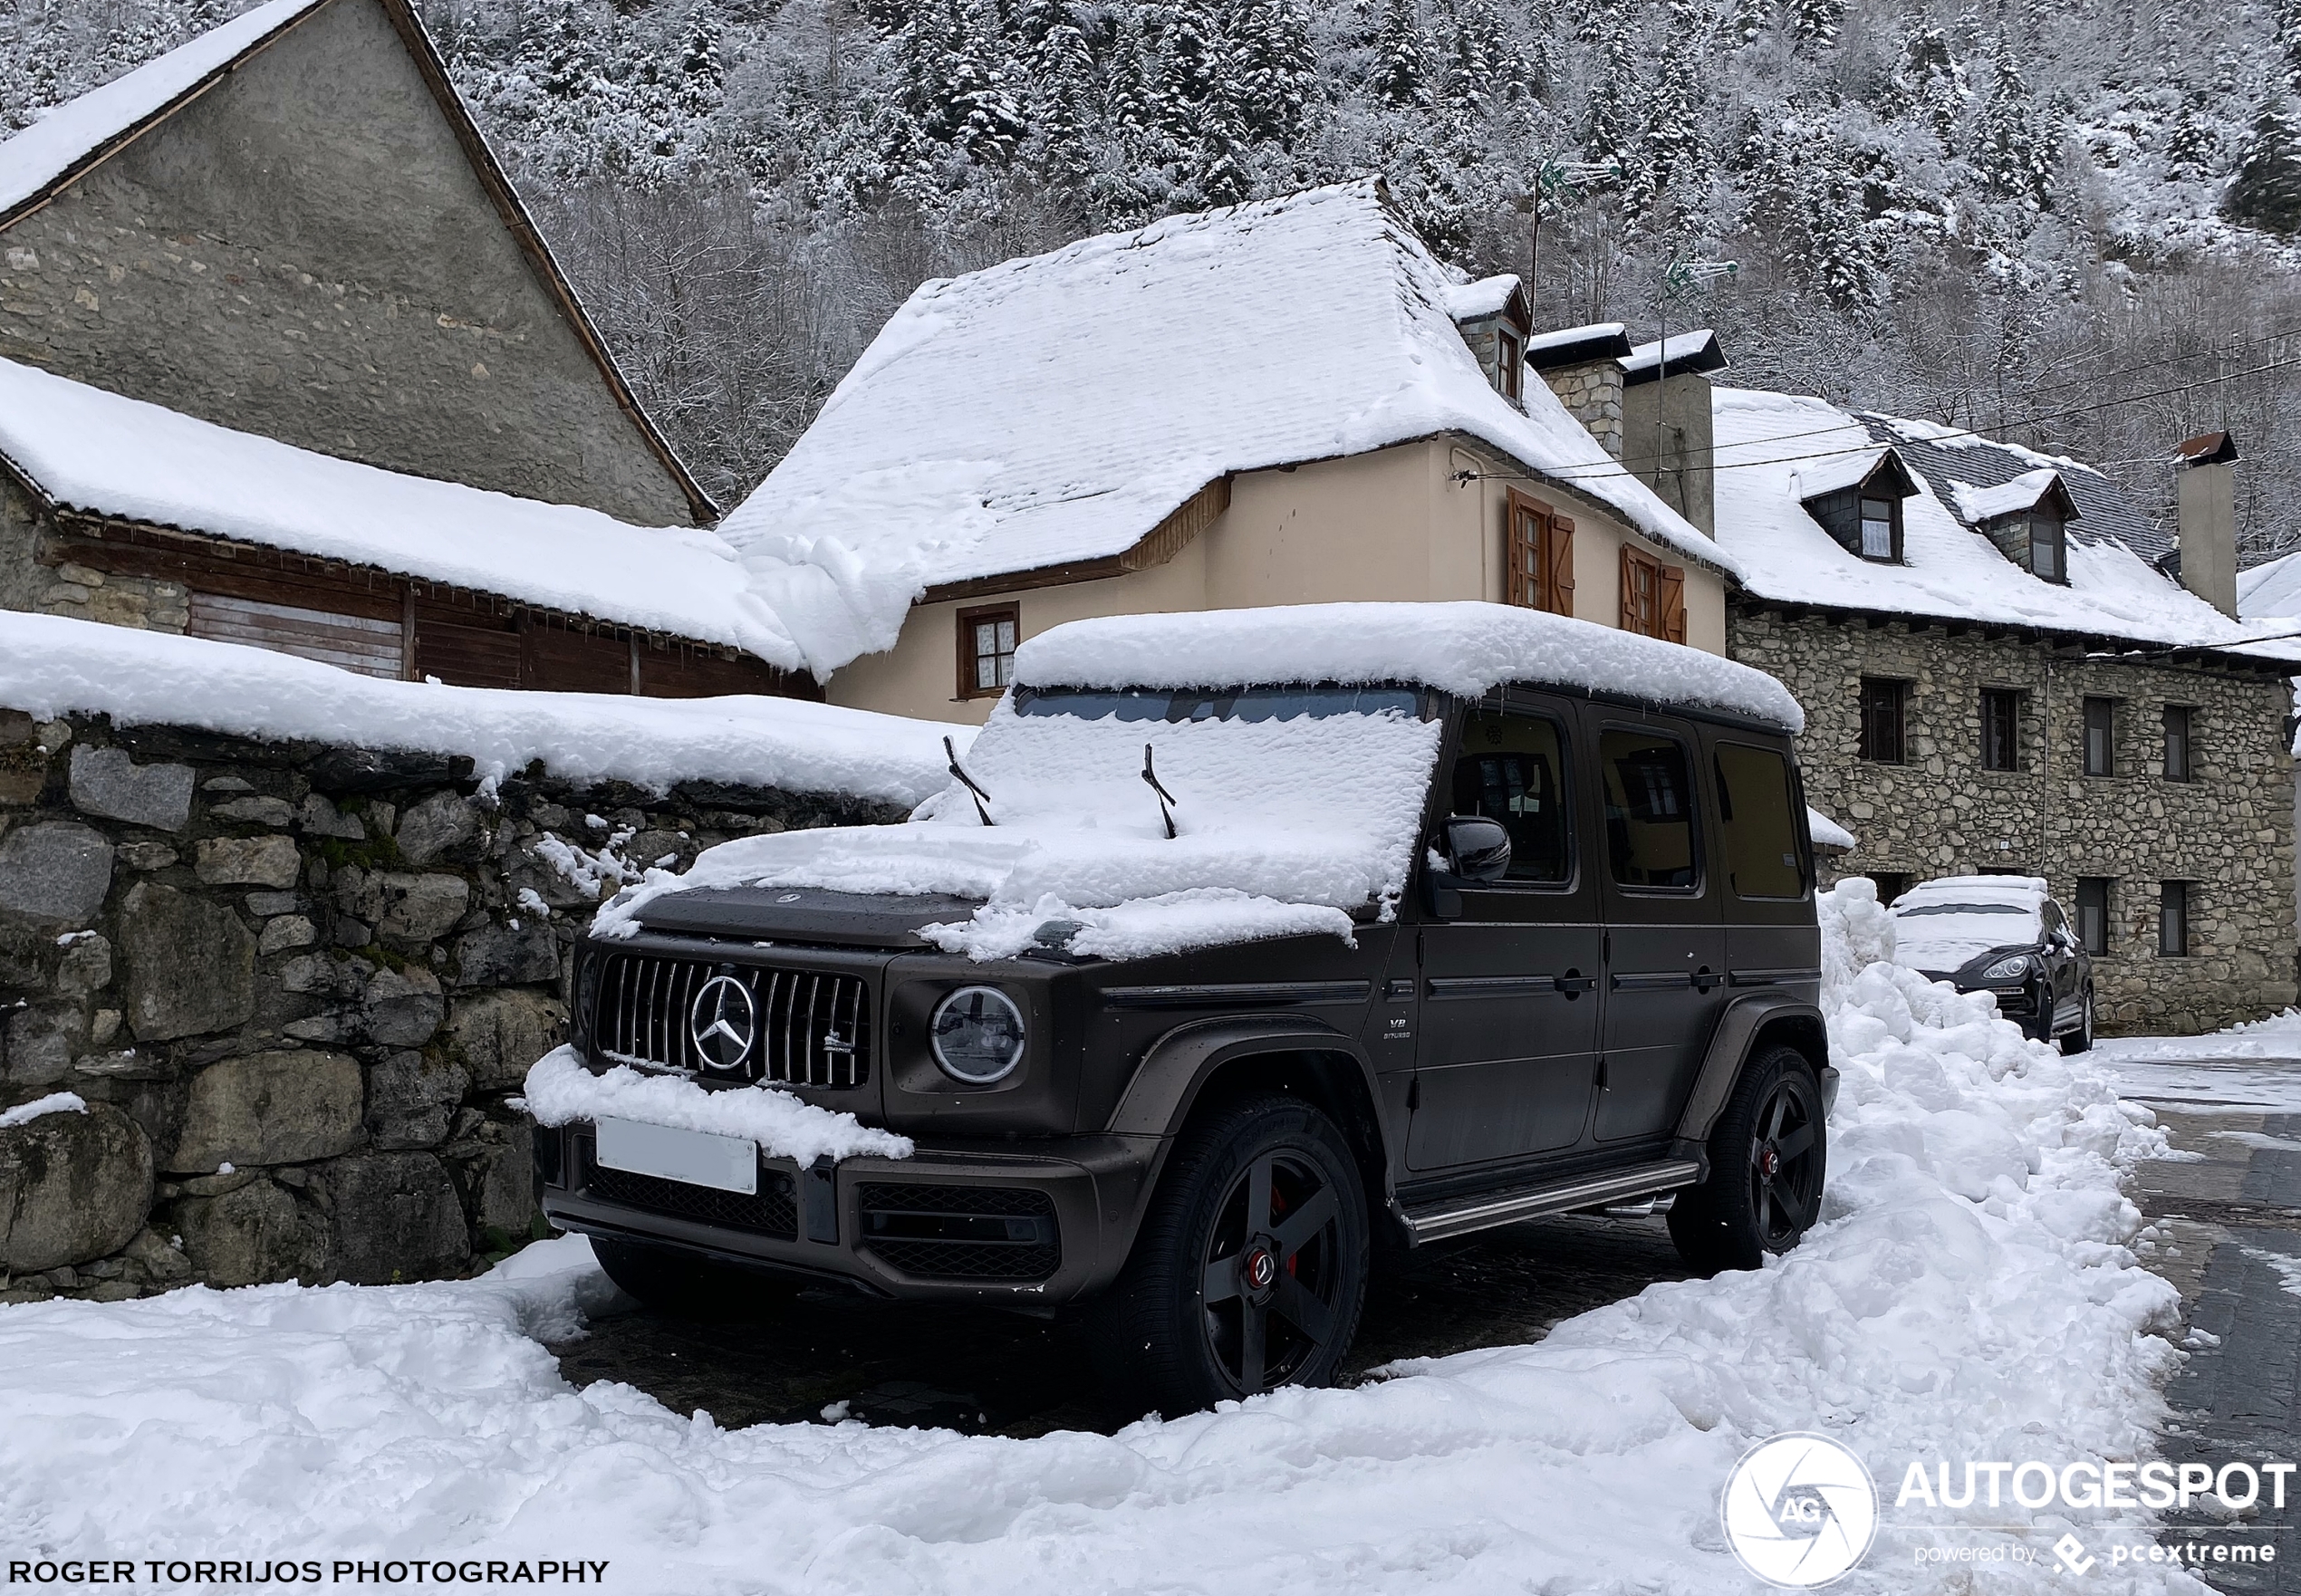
x,y
1512,769
1650,809
1758,813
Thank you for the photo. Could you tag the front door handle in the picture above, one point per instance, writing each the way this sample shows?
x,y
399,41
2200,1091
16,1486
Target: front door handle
x,y
1574,984
1704,979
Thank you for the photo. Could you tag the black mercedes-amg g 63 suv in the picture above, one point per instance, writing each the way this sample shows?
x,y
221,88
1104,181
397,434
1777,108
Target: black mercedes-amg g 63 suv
x,y
1207,978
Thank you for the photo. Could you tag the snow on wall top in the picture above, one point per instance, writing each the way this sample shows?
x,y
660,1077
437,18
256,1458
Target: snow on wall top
x,y
2020,492
1464,648
89,450
32,161
1467,301
1683,347
1564,337
1768,445
50,666
1057,408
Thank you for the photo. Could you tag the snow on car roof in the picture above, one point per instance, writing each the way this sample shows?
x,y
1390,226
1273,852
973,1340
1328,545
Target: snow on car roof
x,y
51,665
1464,646
1057,408
86,448
1771,448
2019,891
35,158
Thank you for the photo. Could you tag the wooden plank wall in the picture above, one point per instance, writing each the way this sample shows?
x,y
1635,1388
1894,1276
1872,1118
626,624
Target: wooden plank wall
x,y
273,599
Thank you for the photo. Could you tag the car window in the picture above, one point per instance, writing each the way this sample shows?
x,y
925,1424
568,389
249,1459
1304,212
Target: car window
x,y
1758,813
1650,809
2049,914
1512,769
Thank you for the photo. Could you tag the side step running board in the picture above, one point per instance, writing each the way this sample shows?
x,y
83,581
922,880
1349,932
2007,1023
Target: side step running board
x,y
1459,1217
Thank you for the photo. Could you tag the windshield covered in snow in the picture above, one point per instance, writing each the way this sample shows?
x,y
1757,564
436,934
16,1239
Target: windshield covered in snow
x,y
1945,933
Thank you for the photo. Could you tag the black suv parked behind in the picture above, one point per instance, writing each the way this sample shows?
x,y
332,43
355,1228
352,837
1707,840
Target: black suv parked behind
x,y
1586,975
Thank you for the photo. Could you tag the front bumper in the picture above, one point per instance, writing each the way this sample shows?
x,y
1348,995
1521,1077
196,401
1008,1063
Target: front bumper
x,y
954,1222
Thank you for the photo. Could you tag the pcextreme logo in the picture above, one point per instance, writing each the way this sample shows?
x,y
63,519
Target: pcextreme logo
x,y
1799,1510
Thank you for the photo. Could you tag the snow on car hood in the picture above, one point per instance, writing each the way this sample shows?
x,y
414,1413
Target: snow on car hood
x,y
1285,826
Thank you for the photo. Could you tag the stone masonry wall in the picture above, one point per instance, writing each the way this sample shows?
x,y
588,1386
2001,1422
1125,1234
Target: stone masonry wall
x,y
2229,831
1593,394
295,985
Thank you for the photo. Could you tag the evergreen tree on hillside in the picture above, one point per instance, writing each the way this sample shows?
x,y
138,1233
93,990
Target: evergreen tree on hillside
x,y
2009,155
1676,150
1273,69
1613,133
1931,83
1817,22
1401,74
2267,192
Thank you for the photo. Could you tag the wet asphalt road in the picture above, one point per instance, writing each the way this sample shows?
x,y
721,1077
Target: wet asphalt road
x,y
979,1370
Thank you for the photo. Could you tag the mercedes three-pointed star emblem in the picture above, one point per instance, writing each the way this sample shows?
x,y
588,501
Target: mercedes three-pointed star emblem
x,y
723,1023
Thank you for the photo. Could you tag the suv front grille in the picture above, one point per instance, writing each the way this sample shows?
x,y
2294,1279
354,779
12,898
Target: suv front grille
x,y
808,1027
962,1232
772,1211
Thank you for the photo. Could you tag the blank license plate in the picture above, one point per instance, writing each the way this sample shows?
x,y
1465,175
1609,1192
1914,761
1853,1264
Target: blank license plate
x,y
730,1163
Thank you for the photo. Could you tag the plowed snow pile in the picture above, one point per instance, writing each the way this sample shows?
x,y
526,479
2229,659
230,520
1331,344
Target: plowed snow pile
x,y
1969,1296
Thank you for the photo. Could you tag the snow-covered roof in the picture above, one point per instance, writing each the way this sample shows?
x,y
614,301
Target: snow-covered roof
x,y
34,160
1488,297
1976,504
50,666
1055,410
1465,648
87,449
1833,473
1943,454
1593,333
1771,448
1696,350
2271,590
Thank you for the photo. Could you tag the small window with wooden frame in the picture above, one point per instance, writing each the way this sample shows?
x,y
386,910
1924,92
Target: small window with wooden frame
x,y
1539,556
1653,596
986,638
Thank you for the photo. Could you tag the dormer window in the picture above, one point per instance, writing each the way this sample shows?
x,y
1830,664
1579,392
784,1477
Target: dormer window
x,y
1511,365
2027,517
1857,498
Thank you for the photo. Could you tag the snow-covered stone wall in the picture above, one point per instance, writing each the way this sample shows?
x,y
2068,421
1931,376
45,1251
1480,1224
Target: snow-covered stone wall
x,y
268,997
2229,831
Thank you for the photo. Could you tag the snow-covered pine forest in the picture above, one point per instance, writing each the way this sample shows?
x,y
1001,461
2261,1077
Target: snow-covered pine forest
x,y
2064,223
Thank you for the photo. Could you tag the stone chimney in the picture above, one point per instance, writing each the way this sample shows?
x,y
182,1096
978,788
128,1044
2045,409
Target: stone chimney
x,y
1583,366
2207,472
1666,422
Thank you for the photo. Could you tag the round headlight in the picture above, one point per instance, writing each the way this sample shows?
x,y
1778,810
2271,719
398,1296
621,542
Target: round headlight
x,y
2007,969
976,1034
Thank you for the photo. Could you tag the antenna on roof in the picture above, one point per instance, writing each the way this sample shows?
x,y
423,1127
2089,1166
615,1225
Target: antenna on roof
x,y
967,782
1166,799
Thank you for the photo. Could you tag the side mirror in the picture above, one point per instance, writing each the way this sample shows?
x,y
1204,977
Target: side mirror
x,y
1476,848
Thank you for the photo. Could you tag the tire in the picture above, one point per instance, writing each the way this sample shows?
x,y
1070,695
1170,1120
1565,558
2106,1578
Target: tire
x,y
1210,1307
688,1286
2081,1040
1767,1156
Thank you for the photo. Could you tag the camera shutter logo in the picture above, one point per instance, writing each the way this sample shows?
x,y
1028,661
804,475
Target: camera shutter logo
x,y
1799,1510
723,1023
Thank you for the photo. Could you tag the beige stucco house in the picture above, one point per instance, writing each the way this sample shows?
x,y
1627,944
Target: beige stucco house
x,y
1281,403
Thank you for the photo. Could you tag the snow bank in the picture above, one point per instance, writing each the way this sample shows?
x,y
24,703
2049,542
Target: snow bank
x,y
50,666
1283,826
560,1090
69,134
1968,1296
1464,648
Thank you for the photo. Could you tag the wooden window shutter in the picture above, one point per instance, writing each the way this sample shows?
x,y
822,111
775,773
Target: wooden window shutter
x,y
1629,584
1671,594
1557,567
1521,524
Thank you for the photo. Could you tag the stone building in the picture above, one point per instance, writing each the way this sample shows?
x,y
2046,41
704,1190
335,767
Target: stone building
x,y
291,227
284,362
2004,665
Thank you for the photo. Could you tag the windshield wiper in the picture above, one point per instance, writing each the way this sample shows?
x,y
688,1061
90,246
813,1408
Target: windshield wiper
x,y
1166,799
981,798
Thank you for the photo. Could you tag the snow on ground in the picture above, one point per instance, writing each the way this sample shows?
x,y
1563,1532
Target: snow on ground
x,y
50,665
2245,1069
1969,1295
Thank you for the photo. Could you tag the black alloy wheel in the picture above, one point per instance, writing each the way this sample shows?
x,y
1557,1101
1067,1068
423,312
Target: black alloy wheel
x,y
1273,1273
1768,1153
1249,1269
